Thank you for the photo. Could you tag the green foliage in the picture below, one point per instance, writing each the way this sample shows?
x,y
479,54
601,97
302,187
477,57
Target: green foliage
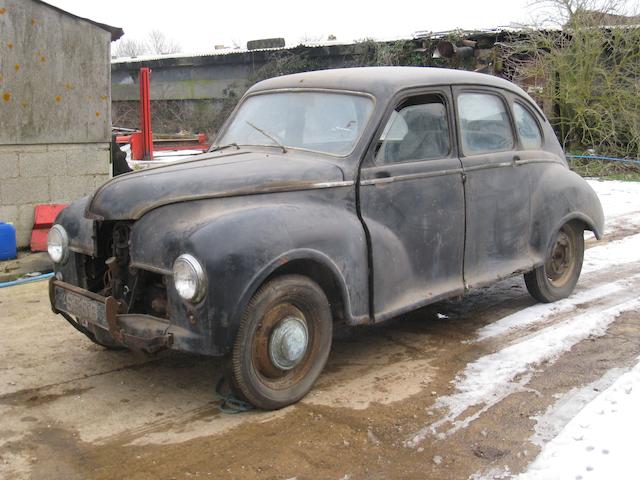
x,y
590,76
604,169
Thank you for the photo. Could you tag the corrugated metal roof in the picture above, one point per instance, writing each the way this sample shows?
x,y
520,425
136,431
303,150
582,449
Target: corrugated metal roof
x,y
232,51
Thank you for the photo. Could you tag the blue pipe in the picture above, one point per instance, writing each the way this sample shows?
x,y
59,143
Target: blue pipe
x,y
20,281
609,159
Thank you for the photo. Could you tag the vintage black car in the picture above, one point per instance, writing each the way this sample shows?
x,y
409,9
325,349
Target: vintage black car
x,y
349,195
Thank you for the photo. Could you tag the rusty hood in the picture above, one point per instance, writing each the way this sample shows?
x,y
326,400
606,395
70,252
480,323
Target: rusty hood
x,y
211,175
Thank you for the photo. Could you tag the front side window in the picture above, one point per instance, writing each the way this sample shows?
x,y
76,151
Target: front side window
x,y
418,129
319,121
484,124
527,127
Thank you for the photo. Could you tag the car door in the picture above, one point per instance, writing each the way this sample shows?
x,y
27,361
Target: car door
x,y
412,204
496,187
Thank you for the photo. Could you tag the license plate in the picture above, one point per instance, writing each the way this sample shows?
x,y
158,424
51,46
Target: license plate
x,y
86,310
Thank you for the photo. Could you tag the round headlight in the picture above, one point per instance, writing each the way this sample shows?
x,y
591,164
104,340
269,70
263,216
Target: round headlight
x,y
58,244
188,278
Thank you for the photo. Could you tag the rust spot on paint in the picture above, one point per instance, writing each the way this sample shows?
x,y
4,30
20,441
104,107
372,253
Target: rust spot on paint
x,y
10,45
43,58
58,98
2,10
68,86
7,96
97,114
103,97
17,67
33,21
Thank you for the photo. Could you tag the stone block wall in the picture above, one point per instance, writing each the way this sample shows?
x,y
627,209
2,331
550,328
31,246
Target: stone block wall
x,y
51,173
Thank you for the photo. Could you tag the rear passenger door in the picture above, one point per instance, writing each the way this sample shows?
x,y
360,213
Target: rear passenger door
x,y
496,187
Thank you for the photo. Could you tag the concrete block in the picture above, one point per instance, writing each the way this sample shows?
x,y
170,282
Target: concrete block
x,y
17,191
67,189
99,180
8,164
25,216
9,214
23,237
42,164
26,148
88,161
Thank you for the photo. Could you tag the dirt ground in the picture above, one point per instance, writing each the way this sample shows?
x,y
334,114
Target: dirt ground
x,y
70,409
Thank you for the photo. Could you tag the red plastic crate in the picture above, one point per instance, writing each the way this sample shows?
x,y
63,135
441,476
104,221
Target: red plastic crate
x,y
43,218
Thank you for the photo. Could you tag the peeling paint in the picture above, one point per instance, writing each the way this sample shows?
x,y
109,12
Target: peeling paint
x,y
24,104
7,96
2,11
58,98
97,114
17,67
68,86
43,58
10,45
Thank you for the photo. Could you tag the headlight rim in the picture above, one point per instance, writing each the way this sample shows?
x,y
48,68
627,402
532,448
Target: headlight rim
x,y
64,243
201,277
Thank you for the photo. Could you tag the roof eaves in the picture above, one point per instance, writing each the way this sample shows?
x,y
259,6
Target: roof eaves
x,y
116,32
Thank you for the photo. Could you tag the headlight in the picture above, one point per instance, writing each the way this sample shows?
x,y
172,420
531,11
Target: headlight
x,y
189,278
58,244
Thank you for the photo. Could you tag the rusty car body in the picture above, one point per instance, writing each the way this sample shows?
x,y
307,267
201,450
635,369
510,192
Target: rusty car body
x,y
349,195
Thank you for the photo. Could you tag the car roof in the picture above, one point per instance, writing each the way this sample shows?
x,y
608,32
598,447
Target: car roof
x,y
383,81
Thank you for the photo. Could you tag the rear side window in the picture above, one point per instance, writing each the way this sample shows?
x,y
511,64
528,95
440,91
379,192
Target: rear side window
x,y
528,129
484,124
418,129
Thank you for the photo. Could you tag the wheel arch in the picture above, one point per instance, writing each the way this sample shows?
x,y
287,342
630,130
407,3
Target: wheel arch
x,y
314,265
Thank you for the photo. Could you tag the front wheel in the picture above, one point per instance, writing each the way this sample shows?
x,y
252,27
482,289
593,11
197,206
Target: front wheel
x,y
283,342
558,276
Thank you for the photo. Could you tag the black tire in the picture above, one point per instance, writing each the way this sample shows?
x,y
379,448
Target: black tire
x,y
254,375
557,278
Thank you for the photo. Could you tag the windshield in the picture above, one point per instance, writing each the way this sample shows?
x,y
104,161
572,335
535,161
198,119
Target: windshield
x,y
320,121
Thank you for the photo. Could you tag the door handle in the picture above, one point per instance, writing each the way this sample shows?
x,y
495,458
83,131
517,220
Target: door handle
x,y
516,158
382,174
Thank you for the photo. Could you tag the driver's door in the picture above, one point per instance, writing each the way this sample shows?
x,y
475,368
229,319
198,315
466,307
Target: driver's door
x,y
412,203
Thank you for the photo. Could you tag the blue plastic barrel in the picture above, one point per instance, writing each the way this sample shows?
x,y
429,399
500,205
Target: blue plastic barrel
x,y
8,249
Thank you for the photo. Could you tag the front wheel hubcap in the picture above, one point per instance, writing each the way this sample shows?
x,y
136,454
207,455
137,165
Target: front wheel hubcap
x,y
288,343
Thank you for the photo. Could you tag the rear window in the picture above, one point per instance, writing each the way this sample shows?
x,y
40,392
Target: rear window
x,y
484,124
528,129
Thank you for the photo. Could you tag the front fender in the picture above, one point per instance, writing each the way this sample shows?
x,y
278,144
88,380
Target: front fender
x,y
242,240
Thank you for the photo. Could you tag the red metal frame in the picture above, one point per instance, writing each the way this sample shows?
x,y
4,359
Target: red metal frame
x,y
142,146
145,113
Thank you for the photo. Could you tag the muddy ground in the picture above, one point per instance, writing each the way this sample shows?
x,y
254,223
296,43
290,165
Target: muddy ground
x,y
70,409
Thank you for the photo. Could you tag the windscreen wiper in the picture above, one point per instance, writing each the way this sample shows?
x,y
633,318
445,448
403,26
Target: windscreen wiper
x,y
214,148
268,135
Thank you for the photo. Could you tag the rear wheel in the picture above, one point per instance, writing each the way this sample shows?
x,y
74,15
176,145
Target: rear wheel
x,y
283,342
558,276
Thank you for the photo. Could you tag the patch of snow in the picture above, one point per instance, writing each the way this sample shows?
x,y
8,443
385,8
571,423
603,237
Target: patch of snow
x,y
618,252
442,316
541,312
617,197
494,377
494,473
549,424
599,442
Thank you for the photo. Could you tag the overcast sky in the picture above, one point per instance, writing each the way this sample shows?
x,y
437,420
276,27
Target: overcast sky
x,y
199,25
